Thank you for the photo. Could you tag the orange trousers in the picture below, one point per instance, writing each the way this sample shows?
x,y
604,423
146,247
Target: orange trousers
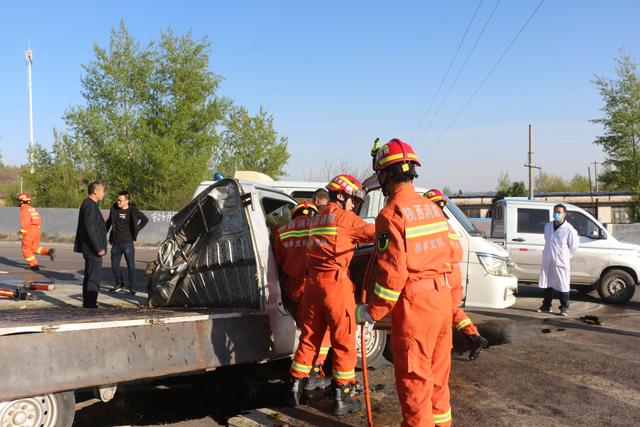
x,y
31,247
294,289
328,303
421,345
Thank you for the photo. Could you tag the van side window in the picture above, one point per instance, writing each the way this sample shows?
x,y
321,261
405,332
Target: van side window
x,y
532,220
277,212
302,195
583,224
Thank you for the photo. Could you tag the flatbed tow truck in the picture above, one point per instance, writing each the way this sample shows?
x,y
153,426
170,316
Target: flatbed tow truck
x,y
218,257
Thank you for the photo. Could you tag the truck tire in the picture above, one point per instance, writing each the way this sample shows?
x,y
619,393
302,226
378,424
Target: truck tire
x,y
48,410
376,343
616,287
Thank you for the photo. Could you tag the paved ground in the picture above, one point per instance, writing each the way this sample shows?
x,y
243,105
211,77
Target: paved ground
x,y
66,272
542,370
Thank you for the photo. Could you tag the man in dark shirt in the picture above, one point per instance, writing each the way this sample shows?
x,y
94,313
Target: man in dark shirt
x,y
125,222
91,242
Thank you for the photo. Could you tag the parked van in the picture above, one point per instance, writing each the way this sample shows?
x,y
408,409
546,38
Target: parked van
x,y
601,262
488,281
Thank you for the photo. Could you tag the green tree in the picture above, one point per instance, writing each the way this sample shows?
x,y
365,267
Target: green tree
x,y
621,125
579,183
550,183
9,184
152,122
508,188
504,182
251,143
62,174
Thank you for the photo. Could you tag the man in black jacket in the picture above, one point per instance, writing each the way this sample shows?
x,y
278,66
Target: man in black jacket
x,y
91,241
125,222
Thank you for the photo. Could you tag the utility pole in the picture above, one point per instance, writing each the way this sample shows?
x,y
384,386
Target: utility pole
x,y
595,173
28,56
530,164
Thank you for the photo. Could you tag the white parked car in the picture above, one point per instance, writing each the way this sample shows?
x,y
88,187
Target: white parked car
x,y
602,262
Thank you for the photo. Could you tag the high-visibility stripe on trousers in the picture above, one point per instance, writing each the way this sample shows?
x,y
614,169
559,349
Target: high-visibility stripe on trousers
x,y
31,247
442,419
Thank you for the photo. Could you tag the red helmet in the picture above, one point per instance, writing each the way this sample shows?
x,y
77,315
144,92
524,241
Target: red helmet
x,y
304,208
394,151
347,183
436,197
24,198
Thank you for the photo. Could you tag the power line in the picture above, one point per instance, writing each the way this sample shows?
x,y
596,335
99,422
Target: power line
x,y
446,73
464,64
484,80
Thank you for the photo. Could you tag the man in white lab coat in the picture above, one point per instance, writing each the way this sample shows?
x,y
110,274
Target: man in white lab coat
x,y
560,243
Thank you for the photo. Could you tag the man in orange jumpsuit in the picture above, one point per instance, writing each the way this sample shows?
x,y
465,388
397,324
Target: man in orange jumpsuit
x,y
290,251
461,321
30,221
328,299
412,256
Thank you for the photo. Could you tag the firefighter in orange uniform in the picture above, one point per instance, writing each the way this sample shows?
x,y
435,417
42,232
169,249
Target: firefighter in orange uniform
x,y
328,299
461,321
290,250
30,221
412,255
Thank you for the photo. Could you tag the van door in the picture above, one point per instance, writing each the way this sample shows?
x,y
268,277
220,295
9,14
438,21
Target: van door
x,y
209,257
593,255
497,223
525,239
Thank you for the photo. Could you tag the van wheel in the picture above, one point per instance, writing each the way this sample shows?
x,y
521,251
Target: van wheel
x,y
49,410
376,342
616,287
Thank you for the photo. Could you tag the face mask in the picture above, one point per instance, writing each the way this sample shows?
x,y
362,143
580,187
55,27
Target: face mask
x,y
557,217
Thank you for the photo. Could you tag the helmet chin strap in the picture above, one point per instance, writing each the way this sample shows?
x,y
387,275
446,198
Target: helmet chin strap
x,y
383,177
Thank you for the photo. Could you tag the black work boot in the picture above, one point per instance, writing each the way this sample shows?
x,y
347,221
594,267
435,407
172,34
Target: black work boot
x,y
295,392
131,290
117,287
52,254
346,401
478,343
34,267
316,381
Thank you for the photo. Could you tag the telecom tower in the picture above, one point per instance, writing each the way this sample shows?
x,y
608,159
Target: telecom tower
x,y
28,56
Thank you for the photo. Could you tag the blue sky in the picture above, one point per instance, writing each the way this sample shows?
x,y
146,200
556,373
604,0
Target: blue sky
x,y
335,75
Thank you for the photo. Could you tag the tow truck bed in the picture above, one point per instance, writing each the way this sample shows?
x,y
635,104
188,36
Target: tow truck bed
x,y
71,348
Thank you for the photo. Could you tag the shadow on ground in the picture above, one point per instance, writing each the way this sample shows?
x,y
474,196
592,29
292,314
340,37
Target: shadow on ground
x,y
219,395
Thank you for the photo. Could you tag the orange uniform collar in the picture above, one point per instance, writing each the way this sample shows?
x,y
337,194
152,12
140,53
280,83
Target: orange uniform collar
x,y
405,187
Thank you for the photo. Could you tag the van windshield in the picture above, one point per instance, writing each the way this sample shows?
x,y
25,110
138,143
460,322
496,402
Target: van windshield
x,y
462,219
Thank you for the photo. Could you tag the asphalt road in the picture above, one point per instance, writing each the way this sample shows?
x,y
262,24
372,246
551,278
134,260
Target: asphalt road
x,y
542,370
67,272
